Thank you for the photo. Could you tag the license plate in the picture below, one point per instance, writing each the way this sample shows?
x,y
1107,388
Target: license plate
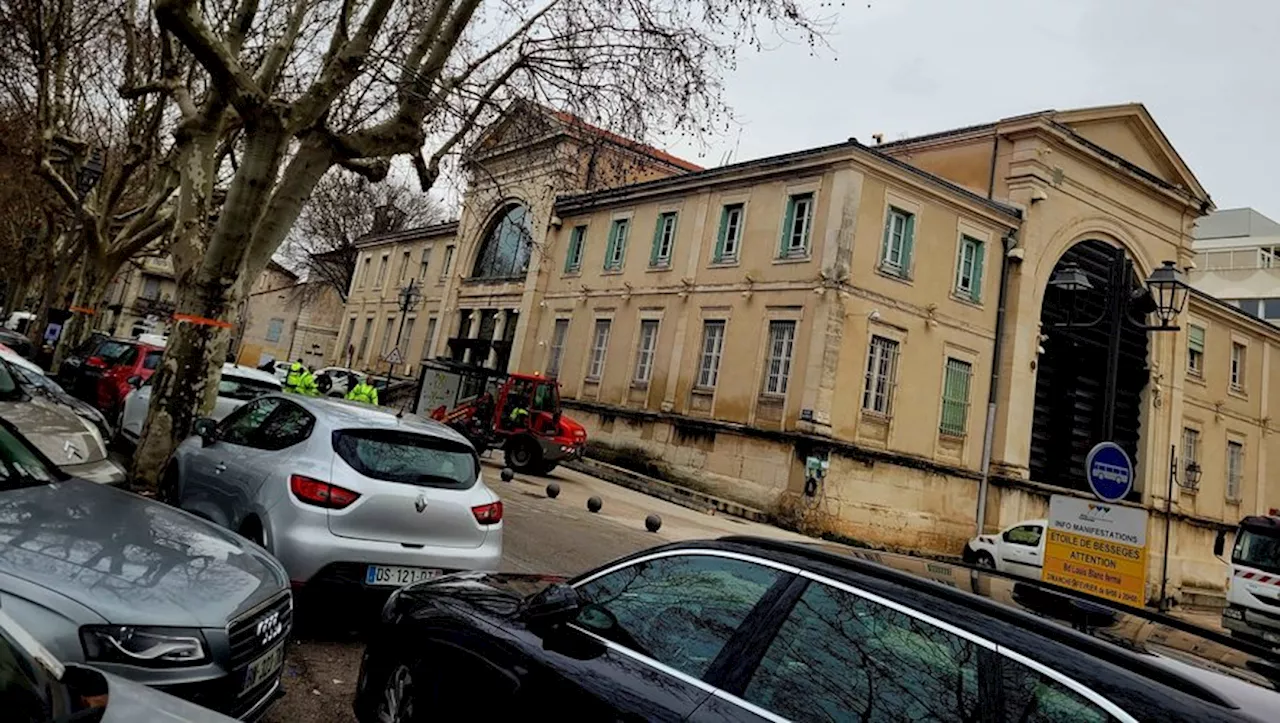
x,y
397,576
262,669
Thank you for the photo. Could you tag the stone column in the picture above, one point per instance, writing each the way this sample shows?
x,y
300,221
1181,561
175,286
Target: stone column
x,y
471,331
499,329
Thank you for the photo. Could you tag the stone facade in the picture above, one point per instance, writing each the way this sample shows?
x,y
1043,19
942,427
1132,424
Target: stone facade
x,y
853,305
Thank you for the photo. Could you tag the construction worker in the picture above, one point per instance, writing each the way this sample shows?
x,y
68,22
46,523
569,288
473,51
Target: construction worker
x,y
300,380
363,391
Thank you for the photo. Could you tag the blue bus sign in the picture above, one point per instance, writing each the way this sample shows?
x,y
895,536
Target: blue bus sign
x,y
1109,471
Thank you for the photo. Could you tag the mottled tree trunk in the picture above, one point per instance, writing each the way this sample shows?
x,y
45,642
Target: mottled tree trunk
x,y
91,286
195,351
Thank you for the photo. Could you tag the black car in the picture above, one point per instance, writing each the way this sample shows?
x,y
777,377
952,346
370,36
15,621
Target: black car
x,y
743,629
18,342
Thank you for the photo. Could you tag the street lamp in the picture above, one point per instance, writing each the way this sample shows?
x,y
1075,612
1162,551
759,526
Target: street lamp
x,y
409,296
1166,295
88,174
1190,480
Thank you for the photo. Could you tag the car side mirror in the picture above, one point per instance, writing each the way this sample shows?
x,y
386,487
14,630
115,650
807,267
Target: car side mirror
x,y
135,381
1219,543
207,429
557,603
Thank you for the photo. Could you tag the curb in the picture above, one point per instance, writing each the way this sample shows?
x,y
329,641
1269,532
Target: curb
x,y
676,494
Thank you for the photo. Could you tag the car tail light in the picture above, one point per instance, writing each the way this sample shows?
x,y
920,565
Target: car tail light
x,y
321,494
490,514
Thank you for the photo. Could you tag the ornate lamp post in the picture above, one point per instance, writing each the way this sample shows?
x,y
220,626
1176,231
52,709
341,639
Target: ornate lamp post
x,y
409,296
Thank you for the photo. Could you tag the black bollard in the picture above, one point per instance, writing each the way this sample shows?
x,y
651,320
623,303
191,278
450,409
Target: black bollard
x,y
594,504
507,474
652,523
553,490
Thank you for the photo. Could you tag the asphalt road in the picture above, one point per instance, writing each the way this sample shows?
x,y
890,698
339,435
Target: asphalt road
x,y
541,535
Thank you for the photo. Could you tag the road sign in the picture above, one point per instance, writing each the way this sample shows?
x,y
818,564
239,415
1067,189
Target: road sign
x,y
1109,471
1097,548
394,357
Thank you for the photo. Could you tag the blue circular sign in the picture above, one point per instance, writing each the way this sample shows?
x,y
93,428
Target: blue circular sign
x,y
1109,471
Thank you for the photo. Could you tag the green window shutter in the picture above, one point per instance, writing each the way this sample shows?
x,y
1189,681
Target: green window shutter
x,y
908,240
888,235
1195,338
575,243
721,235
787,222
613,244
657,240
979,254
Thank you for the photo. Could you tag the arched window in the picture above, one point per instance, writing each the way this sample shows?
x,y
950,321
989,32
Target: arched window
x,y
504,253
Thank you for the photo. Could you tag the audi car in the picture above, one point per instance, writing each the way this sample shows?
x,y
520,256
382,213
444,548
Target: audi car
x,y
137,589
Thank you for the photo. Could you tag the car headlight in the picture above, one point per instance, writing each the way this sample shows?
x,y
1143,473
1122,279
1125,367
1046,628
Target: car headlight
x,y
145,646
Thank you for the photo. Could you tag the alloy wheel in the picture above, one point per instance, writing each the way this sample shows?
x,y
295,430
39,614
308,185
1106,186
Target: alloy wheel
x,y
397,697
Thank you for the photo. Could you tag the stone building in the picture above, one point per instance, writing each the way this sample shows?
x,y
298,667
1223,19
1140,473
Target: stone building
x,y
284,318
883,312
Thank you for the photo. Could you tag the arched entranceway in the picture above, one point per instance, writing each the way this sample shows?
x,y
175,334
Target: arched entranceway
x,y
505,249
1071,376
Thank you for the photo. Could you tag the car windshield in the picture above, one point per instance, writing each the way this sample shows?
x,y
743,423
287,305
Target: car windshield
x,y
116,352
1258,549
233,387
20,465
415,459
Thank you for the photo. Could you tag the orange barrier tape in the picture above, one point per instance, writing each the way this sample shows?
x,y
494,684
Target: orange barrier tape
x,y
201,321
82,310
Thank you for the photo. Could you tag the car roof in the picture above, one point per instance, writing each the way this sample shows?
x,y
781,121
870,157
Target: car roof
x,y
343,414
257,375
1201,662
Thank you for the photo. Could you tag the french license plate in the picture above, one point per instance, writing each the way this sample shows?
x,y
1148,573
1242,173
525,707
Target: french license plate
x,y
261,670
397,576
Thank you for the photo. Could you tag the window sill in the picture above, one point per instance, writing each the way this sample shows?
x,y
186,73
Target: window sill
x,y
660,267
591,380
724,264
639,385
611,272
703,391
874,416
952,436
1195,377
965,299
772,397
1238,392
793,259
1234,502
575,273
893,275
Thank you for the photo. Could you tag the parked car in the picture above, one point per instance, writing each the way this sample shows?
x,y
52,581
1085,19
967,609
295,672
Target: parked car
x,y
125,373
80,371
348,496
19,343
41,688
64,428
1017,549
339,381
239,384
753,630
138,589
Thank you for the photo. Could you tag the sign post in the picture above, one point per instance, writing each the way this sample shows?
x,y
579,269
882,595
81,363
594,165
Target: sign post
x,y
1099,548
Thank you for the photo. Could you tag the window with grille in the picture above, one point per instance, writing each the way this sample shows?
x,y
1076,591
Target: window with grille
x,y
599,347
882,371
645,349
1235,470
1237,366
955,397
712,346
1195,349
556,353
782,341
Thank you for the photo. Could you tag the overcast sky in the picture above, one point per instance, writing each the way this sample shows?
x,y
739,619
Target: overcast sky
x,y
1205,70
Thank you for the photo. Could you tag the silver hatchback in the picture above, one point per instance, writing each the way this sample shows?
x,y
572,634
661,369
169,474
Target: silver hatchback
x,y
344,494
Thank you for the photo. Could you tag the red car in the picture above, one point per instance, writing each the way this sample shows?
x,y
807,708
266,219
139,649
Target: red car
x,y
118,372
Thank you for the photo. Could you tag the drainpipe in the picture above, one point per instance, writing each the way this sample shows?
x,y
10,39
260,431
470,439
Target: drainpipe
x,y
988,435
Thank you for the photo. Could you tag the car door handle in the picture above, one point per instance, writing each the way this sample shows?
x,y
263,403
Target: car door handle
x,y
220,467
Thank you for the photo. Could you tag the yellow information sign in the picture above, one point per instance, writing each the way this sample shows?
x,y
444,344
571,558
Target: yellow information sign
x,y
1097,548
